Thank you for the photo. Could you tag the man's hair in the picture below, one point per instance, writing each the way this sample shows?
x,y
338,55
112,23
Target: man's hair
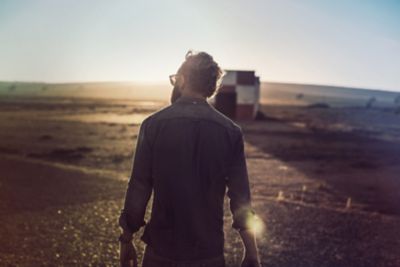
x,y
201,73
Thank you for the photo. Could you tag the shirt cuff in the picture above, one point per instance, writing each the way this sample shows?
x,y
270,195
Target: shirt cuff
x,y
129,224
243,219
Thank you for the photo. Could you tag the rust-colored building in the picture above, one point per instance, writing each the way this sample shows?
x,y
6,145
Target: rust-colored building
x,y
238,97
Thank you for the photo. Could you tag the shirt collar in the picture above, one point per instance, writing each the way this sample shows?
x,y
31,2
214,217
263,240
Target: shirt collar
x,y
191,100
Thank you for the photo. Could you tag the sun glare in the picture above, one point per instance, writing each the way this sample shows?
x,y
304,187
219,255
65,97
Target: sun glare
x,y
256,224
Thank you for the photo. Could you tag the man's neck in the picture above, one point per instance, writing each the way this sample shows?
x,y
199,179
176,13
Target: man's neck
x,y
192,94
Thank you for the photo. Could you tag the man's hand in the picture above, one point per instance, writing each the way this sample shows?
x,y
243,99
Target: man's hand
x,y
127,255
248,262
251,258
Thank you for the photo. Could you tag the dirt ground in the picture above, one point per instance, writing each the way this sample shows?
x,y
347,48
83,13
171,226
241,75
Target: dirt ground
x,y
64,169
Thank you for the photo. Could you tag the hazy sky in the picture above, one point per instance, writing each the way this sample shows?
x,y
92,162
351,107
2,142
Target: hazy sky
x,y
341,42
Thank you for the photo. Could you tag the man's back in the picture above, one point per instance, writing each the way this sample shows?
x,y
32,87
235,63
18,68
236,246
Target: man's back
x,y
192,147
193,152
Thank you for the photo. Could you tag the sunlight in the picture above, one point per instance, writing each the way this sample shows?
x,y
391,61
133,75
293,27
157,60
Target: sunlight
x,y
256,225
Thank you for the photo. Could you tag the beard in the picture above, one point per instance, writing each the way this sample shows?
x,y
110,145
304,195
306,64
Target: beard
x,y
176,93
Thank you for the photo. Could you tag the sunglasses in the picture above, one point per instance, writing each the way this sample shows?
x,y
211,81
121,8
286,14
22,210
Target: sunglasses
x,y
173,78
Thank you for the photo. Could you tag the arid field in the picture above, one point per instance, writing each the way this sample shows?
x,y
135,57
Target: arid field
x,y
325,181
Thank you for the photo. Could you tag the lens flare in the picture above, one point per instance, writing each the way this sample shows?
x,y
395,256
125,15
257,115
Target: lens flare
x,y
256,225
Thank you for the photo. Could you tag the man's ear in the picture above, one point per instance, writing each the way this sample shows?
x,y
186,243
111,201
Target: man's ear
x,y
181,82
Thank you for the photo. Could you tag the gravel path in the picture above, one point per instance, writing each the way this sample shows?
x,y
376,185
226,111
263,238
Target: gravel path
x,y
71,220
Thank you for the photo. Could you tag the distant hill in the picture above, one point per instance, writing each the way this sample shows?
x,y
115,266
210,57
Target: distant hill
x,y
271,92
109,90
304,94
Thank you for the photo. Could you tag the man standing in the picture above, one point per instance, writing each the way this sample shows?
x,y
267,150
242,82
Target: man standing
x,y
188,154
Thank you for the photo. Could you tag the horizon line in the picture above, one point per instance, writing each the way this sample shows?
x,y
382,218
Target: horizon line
x,y
158,83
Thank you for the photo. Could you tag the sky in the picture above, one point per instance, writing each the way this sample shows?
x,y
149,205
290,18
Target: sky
x,y
344,42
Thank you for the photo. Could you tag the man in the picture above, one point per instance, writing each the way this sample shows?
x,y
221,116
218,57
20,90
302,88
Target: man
x,y
188,153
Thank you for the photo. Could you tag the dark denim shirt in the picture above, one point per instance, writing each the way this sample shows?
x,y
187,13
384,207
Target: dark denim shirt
x,y
187,154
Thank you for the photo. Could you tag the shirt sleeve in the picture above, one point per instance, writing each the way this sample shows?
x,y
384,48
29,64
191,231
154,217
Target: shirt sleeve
x,y
238,187
139,186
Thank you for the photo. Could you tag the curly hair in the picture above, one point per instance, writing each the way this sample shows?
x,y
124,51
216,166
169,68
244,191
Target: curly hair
x,y
201,73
